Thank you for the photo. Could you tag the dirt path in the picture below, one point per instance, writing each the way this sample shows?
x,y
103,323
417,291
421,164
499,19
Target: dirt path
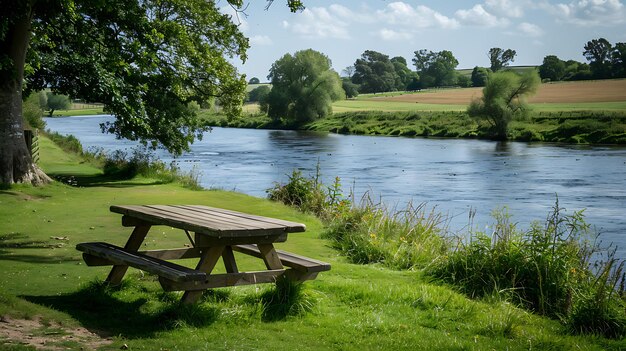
x,y
46,336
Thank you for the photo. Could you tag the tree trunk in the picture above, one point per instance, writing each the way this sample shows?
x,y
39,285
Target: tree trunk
x,y
16,165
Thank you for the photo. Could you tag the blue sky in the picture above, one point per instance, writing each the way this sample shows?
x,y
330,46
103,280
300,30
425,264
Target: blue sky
x,y
343,30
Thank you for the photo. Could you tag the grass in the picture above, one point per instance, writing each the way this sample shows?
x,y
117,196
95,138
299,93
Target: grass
x,y
78,112
351,307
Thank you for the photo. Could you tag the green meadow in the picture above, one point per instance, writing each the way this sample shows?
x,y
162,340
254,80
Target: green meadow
x,y
351,307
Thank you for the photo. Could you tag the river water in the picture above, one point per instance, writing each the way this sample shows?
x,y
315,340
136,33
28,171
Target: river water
x,y
455,176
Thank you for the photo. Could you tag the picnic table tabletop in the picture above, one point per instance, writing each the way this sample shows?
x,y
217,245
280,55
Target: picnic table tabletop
x,y
209,221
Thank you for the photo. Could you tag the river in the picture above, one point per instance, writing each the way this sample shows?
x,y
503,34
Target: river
x,y
455,176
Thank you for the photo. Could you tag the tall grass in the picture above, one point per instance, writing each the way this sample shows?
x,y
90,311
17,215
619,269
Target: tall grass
x,y
552,269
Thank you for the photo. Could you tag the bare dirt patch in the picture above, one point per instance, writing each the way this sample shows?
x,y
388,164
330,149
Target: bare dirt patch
x,y
613,90
46,336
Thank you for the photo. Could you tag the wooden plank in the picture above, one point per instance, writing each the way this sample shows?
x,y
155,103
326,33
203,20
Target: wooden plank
x,y
269,256
209,220
223,280
297,262
134,242
120,256
229,260
173,254
207,263
203,240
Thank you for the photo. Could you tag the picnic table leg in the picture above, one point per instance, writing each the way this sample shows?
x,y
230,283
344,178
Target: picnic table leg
x,y
133,244
270,256
229,260
207,263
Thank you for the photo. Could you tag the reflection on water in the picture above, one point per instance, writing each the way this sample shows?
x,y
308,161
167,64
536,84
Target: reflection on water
x,y
454,175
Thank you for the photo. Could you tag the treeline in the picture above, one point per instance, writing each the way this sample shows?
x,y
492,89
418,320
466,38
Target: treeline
x,y
605,61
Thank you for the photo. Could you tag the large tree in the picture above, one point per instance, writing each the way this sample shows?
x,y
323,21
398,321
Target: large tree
x,y
304,85
500,58
504,99
374,73
552,68
618,60
435,68
145,60
598,53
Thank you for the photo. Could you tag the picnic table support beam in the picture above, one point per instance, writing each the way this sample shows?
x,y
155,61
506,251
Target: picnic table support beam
x,y
133,244
270,256
207,263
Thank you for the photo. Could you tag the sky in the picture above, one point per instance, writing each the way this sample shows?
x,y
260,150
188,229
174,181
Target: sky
x,y
343,30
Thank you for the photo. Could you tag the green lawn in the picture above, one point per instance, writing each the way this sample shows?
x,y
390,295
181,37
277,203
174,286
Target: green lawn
x,y
354,307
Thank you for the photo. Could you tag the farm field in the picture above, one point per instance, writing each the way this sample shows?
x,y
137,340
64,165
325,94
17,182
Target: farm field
x,y
562,96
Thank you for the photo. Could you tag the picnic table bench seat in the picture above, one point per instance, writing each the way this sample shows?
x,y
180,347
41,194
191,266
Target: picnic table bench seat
x,y
297,262
114,255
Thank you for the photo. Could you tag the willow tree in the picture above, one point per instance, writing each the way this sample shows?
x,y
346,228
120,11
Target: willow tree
x,y
504,98
145,60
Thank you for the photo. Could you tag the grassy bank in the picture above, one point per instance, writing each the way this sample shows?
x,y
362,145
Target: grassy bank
x,y
47,289
587,127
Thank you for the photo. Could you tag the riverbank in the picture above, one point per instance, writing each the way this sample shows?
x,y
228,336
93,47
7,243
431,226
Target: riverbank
x,y
574,127
353,306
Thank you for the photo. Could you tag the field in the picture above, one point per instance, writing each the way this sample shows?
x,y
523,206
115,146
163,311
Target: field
x,y
563,96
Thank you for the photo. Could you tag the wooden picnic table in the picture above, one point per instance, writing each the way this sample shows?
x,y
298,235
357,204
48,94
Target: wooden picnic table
x,y
217,234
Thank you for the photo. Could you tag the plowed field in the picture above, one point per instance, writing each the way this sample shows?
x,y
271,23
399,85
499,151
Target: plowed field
x,y
567,92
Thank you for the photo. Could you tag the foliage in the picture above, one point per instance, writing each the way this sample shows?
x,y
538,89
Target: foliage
x,y
618,60
351,89
68,143
436,69
598,53
303,87
309,195
254,80
32,111
259,93
503,100
56,102
500,58
552,68
480,75
548,269
404,239
374,72
405,78
145,60
286,299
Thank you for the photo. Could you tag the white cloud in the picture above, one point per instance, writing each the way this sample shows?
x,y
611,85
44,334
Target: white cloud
x,y
392,35
589,12
530,30
401,13
261,40
506,8
478,16
319,22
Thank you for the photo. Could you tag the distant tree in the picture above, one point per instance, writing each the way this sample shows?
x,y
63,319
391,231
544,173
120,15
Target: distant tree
x,y
303,87
480,75
464,81
575,70
254,80
374,73
404,75
618,60
598,53
436,68
504,99
500,58
57,102
348,72
259,93
552,68
351,89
